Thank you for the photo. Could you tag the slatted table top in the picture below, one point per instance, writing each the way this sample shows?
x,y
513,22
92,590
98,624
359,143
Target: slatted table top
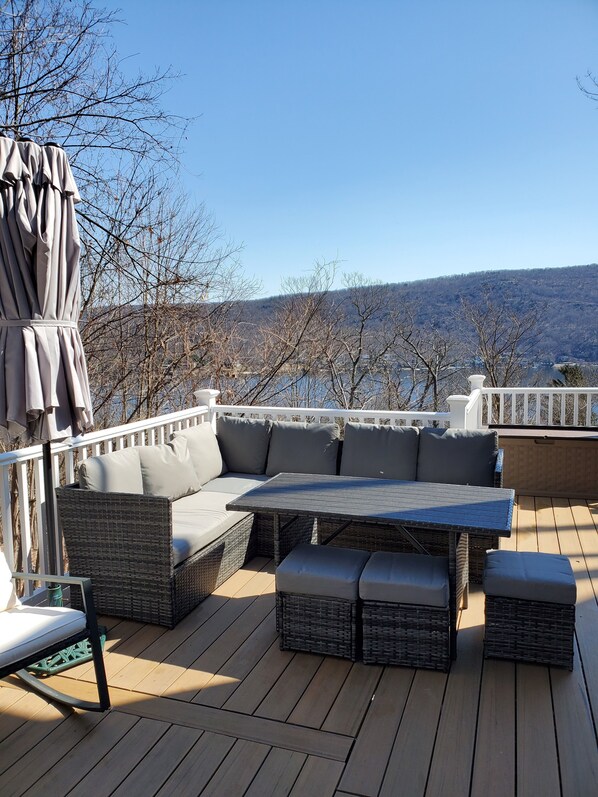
x,y
449,507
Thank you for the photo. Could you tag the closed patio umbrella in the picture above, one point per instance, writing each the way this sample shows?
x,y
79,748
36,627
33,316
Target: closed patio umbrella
x,y
44,388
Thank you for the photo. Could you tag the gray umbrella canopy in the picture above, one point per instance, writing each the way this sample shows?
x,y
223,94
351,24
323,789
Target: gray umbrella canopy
x,y
44,388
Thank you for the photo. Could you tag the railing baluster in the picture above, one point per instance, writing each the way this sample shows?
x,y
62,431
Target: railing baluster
x,y
24,522
7,527
40,502
576,410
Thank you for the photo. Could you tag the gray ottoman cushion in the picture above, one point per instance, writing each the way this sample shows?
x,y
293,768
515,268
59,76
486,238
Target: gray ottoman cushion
x,y
528,575
405,578
302,448
319,570
244,443
457,456
376,451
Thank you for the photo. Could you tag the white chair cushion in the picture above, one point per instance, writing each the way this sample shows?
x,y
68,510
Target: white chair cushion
x,y
8,596
24,630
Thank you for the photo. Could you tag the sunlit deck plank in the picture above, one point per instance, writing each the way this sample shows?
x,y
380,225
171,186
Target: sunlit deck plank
x,y
163,758
367,763
237,770
321,732
52,748
122,759
277,775
138,669
67,772
201,671
494,762
318,698
537,759
450,771
409,761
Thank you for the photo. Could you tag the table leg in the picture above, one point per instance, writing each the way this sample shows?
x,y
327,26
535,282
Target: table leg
x,y
458,581
276,532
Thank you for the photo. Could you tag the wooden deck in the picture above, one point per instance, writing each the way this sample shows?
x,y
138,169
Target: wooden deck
x,y
215,708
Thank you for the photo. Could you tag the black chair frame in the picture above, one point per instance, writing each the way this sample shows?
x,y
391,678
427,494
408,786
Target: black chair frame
x,y
91,632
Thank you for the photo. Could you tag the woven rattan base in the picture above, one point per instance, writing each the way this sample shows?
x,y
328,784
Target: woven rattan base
x,y
532,631
315,624
406,635
375,537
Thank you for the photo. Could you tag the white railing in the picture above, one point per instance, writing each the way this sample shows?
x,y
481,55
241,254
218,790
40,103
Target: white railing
x,y
22,498
22,491
547,407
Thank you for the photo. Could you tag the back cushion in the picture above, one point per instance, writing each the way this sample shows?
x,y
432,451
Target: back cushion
x,y
457,456
302,448
244,443
118,472
386,452
167,470
203,449
8,596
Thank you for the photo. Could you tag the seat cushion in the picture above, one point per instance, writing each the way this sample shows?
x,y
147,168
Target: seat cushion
x,y
117,472
457,456
167,470
203,450
198,520
25,630
303,448
244,443
235,483
319,570
8,596
377,451
406,578
529,575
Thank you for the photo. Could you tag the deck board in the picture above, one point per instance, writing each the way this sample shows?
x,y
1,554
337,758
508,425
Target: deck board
x,y
214,707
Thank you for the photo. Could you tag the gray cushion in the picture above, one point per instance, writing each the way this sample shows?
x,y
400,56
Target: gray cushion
x,y
235,483
204,451
406,578
529,575
244,443
457,456
376,451
117,472
198,520
168,470
321,570
302,448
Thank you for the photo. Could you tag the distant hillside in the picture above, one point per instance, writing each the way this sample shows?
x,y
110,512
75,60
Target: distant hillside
x,y
566,297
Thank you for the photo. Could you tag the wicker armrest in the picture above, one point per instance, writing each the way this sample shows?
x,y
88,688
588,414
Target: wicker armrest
x,y
116,537
498,467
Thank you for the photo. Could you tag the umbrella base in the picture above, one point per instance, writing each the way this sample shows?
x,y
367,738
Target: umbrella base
x,y
69,657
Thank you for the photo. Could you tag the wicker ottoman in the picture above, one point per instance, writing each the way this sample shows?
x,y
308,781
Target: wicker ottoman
x,y
530,607
405,610
316,600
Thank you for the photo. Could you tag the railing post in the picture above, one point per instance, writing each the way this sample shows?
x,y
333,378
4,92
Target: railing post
x,y
457,406
476,382
207,398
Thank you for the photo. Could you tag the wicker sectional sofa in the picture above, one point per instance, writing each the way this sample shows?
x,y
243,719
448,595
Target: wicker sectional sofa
x,y
150,526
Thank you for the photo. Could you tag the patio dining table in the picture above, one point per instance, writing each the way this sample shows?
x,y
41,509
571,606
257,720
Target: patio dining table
x,y
454,509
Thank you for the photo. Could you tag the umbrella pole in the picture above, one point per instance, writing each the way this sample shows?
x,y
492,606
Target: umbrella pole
x,y
54,590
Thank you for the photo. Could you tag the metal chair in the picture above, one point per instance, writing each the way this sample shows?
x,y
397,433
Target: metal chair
x,y
29,634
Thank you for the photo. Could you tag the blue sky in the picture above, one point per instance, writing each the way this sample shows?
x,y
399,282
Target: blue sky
x,y
406,139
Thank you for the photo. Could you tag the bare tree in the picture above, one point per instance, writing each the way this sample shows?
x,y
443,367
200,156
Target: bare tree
x,y
157,281
503,337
